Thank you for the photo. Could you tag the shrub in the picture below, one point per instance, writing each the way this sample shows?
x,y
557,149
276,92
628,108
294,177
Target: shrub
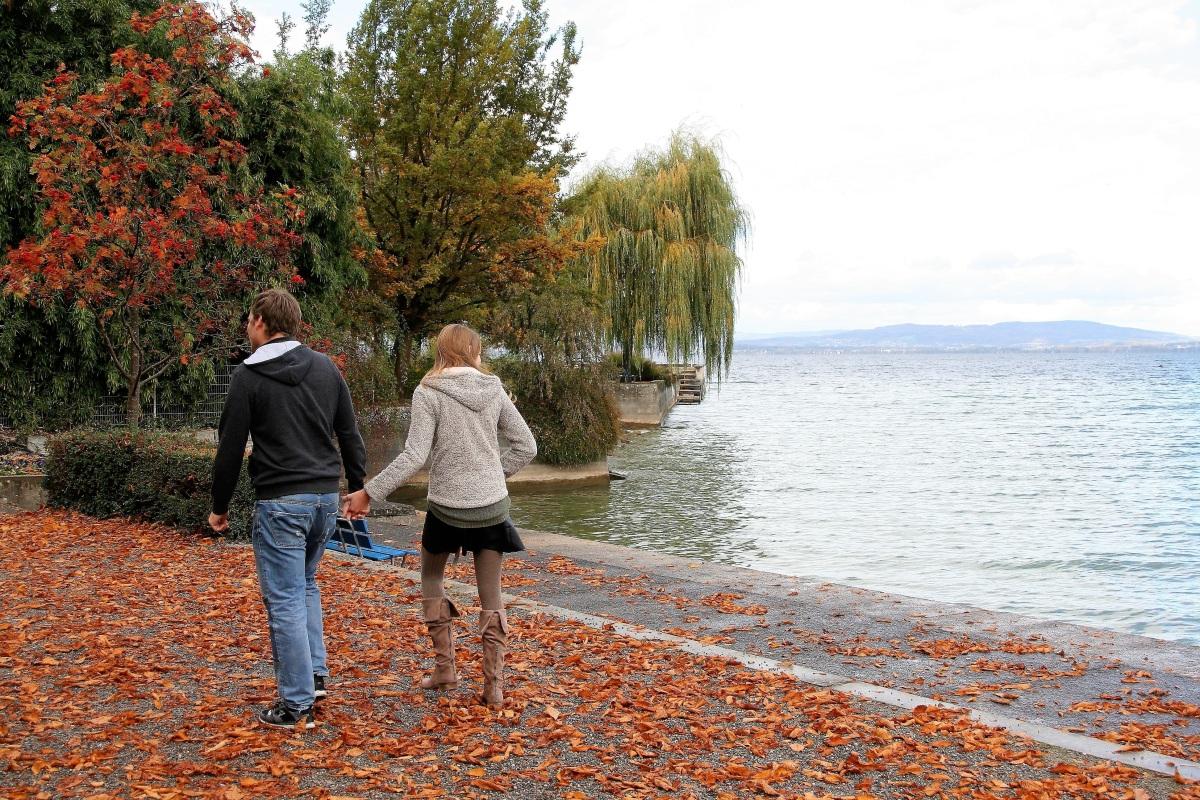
x,y
643,369
568,408
421,363
158,477
368,372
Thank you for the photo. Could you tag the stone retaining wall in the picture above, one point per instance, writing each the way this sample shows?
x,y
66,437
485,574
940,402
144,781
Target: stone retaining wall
x,y
644,403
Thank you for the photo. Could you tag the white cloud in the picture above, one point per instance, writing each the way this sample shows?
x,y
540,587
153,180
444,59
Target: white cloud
x,y
924,161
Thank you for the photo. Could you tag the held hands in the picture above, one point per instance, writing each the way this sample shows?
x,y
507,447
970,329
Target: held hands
x,y
356,505
218,522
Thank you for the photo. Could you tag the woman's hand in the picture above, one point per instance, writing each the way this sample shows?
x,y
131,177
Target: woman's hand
x,y
356,505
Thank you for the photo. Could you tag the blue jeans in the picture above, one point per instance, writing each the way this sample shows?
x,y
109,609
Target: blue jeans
x,y
289,537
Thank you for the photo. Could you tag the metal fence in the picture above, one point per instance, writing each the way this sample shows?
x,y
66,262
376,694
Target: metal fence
x,y
110,411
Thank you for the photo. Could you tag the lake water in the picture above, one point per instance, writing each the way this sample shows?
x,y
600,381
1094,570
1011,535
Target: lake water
x,y
1061,485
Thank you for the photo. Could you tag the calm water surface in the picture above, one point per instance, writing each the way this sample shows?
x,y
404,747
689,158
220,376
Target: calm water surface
x,y
1062,485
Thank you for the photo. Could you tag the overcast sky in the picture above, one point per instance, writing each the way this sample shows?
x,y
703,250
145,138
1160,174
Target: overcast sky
x,y
929,162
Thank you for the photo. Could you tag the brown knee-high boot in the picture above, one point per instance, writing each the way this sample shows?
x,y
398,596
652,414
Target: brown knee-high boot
x,y
438,613
493,629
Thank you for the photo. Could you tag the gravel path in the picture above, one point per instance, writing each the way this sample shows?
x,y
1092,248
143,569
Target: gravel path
x,y
131,659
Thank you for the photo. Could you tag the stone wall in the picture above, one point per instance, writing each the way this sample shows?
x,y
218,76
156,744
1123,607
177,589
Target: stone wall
x,y
644,403
535,477
22,491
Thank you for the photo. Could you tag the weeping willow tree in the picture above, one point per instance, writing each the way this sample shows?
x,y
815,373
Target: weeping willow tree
x,y
668,271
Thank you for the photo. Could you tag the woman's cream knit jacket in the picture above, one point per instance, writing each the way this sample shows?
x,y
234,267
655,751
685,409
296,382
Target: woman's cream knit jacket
x,y
455,417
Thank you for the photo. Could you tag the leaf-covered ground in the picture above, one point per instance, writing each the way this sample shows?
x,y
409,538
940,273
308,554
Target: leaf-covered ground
x,y
131,659
1138,693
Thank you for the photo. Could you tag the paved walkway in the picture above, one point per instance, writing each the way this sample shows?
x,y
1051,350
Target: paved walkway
x,y
131,658
1098,692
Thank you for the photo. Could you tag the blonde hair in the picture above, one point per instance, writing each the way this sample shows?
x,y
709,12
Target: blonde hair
x,y
456,346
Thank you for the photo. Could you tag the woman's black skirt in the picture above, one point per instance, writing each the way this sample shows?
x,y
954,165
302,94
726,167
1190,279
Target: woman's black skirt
x,y
442,537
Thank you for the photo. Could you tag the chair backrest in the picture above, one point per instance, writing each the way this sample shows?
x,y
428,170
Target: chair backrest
x,y
349,532
360,525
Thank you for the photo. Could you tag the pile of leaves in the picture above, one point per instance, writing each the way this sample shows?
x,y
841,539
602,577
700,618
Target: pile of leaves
x,y
131,658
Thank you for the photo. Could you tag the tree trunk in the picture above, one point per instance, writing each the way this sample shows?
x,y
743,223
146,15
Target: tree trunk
x,y
133,378
133,393
133,404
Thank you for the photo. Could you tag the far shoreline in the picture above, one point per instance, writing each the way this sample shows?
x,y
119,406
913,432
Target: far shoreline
x,y
750,347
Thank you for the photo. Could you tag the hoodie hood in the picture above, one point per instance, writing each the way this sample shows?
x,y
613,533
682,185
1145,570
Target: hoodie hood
x,y
466,385
285,361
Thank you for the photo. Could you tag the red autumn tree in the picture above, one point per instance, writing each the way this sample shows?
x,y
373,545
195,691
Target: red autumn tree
x,y
151,222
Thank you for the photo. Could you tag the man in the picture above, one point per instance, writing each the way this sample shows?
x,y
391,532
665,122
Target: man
x,y
292,401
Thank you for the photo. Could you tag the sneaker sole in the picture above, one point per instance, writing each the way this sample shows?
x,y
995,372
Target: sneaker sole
x,y
308,726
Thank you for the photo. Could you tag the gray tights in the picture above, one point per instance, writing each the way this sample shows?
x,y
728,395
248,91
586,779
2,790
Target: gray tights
x,y
487,576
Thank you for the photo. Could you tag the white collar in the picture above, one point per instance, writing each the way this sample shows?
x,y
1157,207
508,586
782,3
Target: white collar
x,y
271,350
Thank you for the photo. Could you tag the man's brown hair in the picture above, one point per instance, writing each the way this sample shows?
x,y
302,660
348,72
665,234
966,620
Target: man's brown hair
x,y
278,310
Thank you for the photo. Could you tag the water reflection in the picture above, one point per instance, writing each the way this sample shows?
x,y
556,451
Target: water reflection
x,y
681,496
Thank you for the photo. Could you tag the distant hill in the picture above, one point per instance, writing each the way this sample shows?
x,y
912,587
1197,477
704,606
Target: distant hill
x,y
1069,334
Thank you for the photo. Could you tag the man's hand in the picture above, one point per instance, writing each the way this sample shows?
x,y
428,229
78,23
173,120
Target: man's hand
x,y
356,505
218,522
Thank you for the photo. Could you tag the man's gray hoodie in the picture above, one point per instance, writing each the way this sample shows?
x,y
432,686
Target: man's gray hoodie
x,y
455,417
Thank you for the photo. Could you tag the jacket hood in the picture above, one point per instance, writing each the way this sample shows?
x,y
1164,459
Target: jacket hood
x,y
466,385
286,361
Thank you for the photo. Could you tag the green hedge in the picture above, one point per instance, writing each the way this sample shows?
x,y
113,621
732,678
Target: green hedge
x,y
159,477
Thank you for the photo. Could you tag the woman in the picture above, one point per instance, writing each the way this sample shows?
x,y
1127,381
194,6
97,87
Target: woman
x,y
456,412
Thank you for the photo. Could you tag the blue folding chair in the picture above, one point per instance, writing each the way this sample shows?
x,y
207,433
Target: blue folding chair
x,y
353,538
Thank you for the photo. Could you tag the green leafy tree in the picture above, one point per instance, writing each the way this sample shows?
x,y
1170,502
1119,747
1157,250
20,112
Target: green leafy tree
x,y
150,221
316,21
293,112
283,29
52,366
51,363
456,107
290,113
669,268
